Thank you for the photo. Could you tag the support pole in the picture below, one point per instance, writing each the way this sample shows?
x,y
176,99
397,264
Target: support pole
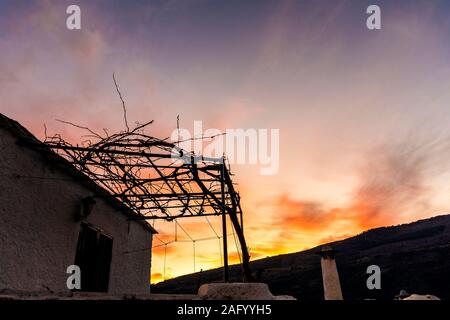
x,y
224,224
238,228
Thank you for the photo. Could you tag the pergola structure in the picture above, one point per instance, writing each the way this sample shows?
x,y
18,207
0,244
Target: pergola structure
x,y
158,180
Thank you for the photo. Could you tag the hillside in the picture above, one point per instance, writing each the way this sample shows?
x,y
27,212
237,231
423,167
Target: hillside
x,y
414,257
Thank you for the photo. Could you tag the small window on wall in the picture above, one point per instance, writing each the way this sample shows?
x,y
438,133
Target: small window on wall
x,y
93,256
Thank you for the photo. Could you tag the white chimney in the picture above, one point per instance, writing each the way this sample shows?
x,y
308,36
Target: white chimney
x,y
331,285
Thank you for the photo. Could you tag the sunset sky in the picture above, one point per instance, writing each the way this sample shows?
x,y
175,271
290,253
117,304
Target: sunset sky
x,y
364,116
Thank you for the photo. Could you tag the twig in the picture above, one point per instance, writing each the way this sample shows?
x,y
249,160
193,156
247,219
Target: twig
x,y
80,127
178,130
123,103
45,132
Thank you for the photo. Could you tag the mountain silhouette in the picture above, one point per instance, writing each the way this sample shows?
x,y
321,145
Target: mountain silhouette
x,y
414,257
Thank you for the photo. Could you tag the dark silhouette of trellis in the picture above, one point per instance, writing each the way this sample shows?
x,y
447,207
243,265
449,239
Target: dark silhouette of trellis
x,y
158,180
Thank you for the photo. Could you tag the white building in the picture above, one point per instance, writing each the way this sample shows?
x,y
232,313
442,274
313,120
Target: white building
x,y
44,202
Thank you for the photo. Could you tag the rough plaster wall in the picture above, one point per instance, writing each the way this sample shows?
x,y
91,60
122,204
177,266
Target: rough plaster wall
x,y
126,275
38,235
138,256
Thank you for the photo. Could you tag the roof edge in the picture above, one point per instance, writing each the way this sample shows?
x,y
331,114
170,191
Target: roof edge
x,y
27,139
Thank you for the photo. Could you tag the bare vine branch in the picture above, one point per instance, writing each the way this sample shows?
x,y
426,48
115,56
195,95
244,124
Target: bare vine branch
x,y
155,178
123,103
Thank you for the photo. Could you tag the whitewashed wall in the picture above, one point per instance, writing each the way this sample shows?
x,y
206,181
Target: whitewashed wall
x,y
38,233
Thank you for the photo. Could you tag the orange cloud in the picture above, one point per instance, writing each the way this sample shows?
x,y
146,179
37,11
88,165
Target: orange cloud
x,y
392,187
156,277
161,250
303,215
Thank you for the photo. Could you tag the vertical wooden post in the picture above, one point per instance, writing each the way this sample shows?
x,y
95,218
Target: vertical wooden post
x,y
235,205
224,224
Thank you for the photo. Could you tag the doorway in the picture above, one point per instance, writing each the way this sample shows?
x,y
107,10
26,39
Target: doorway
x,y
93,256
